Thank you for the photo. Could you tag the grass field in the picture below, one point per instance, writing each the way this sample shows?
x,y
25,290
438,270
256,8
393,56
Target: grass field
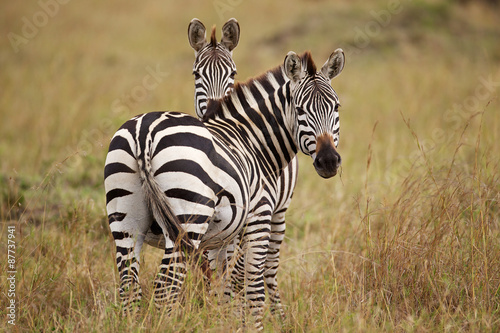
x,y
407,238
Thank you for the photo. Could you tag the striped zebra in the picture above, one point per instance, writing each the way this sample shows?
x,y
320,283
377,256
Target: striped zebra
x,y
214,71
194,185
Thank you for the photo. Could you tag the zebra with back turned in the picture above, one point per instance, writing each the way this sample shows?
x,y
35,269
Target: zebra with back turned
x,y
214,71
196,185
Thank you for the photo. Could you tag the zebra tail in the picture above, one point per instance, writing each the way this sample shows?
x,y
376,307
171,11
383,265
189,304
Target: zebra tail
x,y
157,202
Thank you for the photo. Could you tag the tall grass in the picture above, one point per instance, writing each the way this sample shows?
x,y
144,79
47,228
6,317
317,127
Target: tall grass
x,y
406,238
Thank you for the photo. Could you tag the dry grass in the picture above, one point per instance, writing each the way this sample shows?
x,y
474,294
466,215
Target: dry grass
x,y
406,239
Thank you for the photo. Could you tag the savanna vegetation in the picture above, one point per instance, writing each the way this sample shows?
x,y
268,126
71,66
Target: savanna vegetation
x,y
406,238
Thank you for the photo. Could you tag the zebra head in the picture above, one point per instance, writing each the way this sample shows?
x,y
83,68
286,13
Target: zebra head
x,y
213,68
316,117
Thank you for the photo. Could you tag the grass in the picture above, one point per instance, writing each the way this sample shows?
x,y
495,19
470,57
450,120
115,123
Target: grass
x,y
405,239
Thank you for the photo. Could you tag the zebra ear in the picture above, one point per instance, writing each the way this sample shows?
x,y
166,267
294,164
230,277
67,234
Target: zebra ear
x,y
334,65
197,34
230,34
293,67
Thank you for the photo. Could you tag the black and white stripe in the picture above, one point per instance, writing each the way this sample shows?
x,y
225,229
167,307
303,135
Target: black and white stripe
x,y
196,185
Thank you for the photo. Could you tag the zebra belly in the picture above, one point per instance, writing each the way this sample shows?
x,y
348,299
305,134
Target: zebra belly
x,y
218,233
223,227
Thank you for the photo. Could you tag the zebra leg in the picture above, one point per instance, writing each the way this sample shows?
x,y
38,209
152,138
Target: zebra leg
x,y
255,246
173,268
127,261
272,262
235,280
128,215
129,234
286,185
129,221
170,278
218,260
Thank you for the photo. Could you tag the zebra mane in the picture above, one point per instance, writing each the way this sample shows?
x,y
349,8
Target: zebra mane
x,y
214,107
213,39
307,60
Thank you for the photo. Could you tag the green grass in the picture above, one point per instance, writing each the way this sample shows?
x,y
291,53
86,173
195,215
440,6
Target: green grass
x,y
405,239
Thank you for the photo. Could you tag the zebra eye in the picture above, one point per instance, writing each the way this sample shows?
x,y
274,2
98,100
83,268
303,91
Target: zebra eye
x,y
196,74
337,106
233,73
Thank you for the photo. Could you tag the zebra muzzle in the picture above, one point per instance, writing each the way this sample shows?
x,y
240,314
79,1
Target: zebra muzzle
x,y
327,160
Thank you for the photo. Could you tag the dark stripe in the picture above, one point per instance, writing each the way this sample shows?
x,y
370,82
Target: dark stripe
x,y
193,219
187,166
175,119
117,167
117,235
186,139
185,194
194,235
130,126
116,217
268,87
120,143
123,250
116,193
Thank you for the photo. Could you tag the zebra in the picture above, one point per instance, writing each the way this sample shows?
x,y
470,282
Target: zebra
x,y
214,71
196,185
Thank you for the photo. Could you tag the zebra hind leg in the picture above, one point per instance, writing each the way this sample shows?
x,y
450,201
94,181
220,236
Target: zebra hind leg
x,y
130,290
128,270
168,282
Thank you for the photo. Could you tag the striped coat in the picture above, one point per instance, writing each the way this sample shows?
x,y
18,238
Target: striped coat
x,y
196,185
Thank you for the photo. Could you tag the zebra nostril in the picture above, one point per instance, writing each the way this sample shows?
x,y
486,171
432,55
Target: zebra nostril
x,y
319,162
327,163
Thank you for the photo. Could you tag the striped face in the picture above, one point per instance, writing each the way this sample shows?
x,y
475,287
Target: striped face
x,y
317,110
213,68
214,72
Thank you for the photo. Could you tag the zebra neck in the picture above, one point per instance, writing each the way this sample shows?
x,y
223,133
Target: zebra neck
x,y
260,113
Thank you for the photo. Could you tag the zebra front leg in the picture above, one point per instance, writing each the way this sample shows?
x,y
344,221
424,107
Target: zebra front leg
x,y
255,247
218,261
272,262
235,277
170,278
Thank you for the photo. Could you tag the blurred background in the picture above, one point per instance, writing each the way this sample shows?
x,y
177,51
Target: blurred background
x,y
420,134
72,73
